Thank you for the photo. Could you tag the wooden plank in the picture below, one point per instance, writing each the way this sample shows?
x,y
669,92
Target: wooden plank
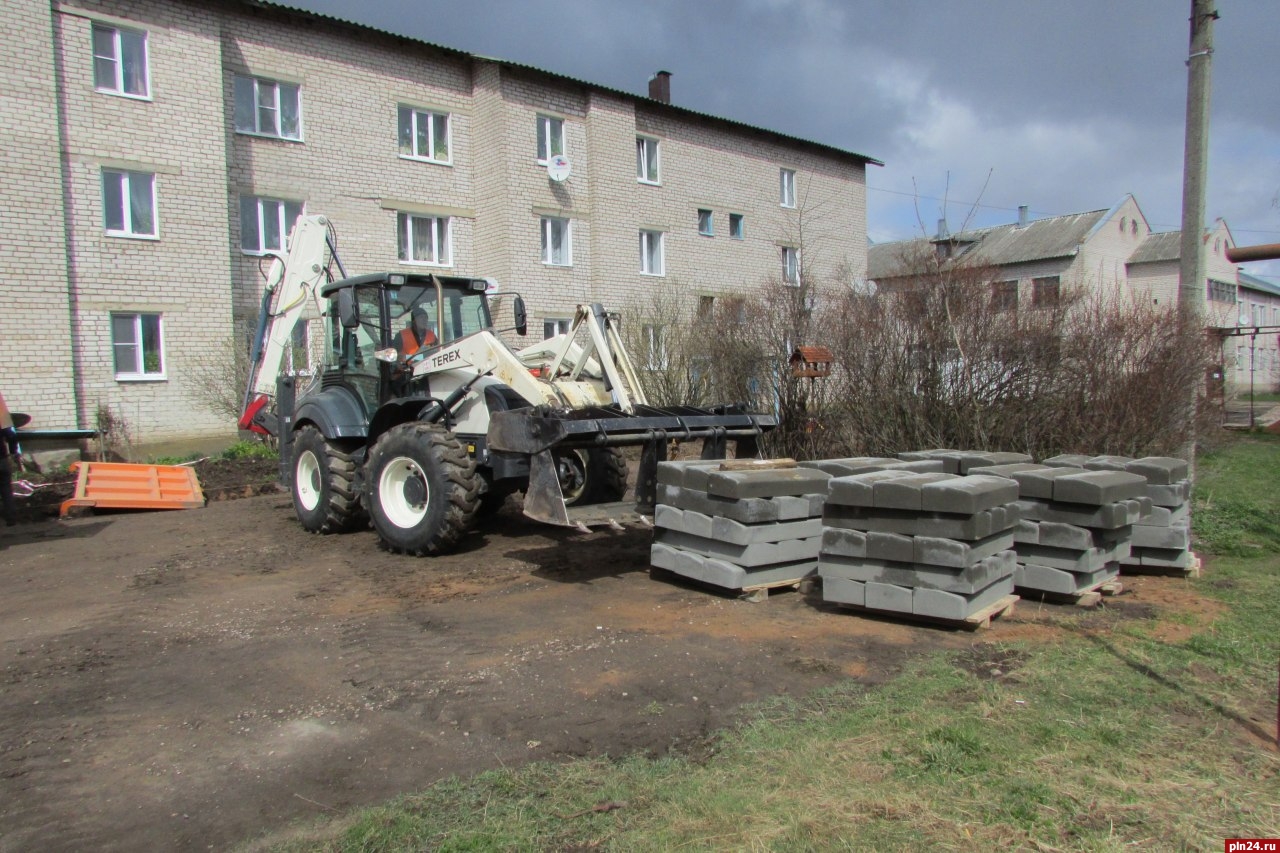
x,y
756,464
760,592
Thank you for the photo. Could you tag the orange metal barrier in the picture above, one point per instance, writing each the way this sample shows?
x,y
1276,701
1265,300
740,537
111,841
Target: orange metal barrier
x,y
124,485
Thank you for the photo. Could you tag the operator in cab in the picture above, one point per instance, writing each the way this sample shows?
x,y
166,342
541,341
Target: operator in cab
x,y
417,335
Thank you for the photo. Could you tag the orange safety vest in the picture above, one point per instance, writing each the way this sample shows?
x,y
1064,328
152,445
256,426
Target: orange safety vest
x,y
409,341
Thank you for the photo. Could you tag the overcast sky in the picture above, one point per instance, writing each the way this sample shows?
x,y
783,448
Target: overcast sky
x,y
1061,105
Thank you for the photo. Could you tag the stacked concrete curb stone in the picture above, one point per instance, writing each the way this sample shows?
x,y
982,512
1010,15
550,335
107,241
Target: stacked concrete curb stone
x,y
964,461
738,529
927,545
1161,538
1076,525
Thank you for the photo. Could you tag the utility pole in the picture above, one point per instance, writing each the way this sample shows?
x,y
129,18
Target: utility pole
x,y
1191,296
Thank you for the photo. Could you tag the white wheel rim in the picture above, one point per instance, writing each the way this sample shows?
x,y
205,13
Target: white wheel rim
x,y
306,476
581,467
398,509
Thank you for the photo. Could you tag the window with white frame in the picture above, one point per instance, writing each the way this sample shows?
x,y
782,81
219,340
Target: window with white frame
x,y
424,135
791,266
647,171
557,242
706,226
651,261
120,61
423,239
550,137
129,203
787,187
655,346
552,326
265,223
137,346
268,108
736,226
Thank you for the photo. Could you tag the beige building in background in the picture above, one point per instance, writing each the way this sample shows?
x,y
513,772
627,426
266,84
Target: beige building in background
x,y
156,150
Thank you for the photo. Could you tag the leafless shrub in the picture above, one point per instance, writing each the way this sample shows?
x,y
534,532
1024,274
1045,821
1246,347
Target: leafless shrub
x,y
221,375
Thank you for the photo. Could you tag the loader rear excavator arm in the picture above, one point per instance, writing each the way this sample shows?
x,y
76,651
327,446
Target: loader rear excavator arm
x,y
292,295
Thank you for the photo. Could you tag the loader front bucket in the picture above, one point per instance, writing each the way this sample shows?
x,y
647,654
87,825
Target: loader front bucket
x,y
540,432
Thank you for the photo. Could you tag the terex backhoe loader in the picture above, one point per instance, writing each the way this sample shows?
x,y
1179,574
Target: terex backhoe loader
x,y
424,444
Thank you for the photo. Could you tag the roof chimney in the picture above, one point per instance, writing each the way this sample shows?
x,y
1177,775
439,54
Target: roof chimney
x,y
660,86
1022,216
943,233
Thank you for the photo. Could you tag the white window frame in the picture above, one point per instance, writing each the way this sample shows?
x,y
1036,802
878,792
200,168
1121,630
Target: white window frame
x,y
648,160
790,266
549,226
655,346
552,326
270,95
432,118
652,252
740,220
787,187
129,226
550,131
706,222
117,59
137,347
408,225
268,210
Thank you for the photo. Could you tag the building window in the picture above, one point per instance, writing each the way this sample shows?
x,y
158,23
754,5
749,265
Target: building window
x,y
424,135
1004,296
129,203
137,346
787,187
423,239
651,261
735,226
1221,291
120,61
706,309
1045,292
647,160
706,224
268,108
553,326
557,242
265,223
791,266
550,137
655,347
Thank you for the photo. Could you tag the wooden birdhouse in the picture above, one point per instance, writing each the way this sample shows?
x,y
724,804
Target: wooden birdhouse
x,y
813,362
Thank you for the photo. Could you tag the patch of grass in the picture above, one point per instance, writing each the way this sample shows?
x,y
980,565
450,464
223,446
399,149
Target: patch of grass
x,y
1236,507
251,450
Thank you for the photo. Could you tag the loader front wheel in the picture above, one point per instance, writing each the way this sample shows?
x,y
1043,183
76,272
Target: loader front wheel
x,y
323,497
592,475
424,489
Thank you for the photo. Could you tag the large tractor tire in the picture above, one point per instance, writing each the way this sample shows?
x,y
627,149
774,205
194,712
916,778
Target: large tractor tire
x,y
323,496
423,489
591,475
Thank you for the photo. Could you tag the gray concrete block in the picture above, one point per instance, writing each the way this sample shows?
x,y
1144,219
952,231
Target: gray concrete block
x,y
1066,460
1160,470
842,542
866,464
722,573
978,461
1071,559
843,591
1027,531
683,520
1170,538
1169,558
1058,535
1009,469
890,546
1098,487
1163,516
965,580
967,527
951,465
967,495
856,489
883,596
728,530
748,511
936,604
904,492
1107,463
1037,578
672,473
955,553
1037,483
766,483
1105,517
1172,495
748,556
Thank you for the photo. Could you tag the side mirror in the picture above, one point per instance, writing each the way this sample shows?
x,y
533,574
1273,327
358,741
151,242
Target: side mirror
x,y
348,311
522,316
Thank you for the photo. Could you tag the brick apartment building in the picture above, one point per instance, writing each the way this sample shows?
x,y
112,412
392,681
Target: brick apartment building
x,y
157,149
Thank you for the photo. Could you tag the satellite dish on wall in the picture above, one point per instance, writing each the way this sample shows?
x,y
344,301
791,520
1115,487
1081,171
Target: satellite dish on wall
x,y
558,168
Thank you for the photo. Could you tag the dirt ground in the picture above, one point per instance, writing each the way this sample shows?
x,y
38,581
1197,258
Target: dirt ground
x,y
195,679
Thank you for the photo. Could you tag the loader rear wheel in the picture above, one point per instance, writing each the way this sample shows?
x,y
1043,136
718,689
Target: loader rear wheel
x,y
423,489
323,496
591,475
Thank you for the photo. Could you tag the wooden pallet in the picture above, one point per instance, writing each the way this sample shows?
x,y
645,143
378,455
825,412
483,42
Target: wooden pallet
x,y
979,620
753,593
1083,598
756,594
